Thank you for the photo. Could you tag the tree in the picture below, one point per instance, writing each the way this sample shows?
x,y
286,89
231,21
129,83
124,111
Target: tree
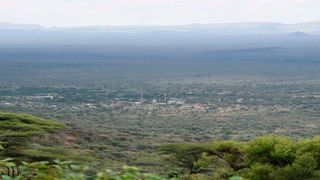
x,y
16,130
220,157
186,156
264,158
277,151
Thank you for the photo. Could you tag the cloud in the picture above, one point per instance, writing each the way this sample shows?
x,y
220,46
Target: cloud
x,y
121,12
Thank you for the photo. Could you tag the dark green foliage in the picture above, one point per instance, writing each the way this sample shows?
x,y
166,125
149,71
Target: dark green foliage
x,y
278,151
40,153
67,170
186,156
230,151
7,167
304,167
311,146
16,131
220,156
260,172
264,158
23,125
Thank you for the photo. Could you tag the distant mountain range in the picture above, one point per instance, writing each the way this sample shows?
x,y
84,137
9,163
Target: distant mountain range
x,y
11,26
299,29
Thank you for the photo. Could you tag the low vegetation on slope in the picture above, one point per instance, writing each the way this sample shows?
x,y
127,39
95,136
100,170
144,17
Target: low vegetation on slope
x,y
17,131
263,158
18,163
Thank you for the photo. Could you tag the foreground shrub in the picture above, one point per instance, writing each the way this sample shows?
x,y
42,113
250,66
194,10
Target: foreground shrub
x,y
16,130
67,170
264,158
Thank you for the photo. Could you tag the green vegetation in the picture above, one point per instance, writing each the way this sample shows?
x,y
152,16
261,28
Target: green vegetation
x,y
17,131
26,137
119,103
67,170
107,124
264,158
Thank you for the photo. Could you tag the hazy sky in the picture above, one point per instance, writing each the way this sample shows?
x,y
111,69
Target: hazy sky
x,y
154,12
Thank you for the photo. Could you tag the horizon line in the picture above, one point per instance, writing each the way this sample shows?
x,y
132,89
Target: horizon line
x,y
157,25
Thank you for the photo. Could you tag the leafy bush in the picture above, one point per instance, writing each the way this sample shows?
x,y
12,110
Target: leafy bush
x,y
278,151
264,158
186,156
67,170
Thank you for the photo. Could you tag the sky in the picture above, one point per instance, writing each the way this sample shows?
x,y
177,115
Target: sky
x,y
156,12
